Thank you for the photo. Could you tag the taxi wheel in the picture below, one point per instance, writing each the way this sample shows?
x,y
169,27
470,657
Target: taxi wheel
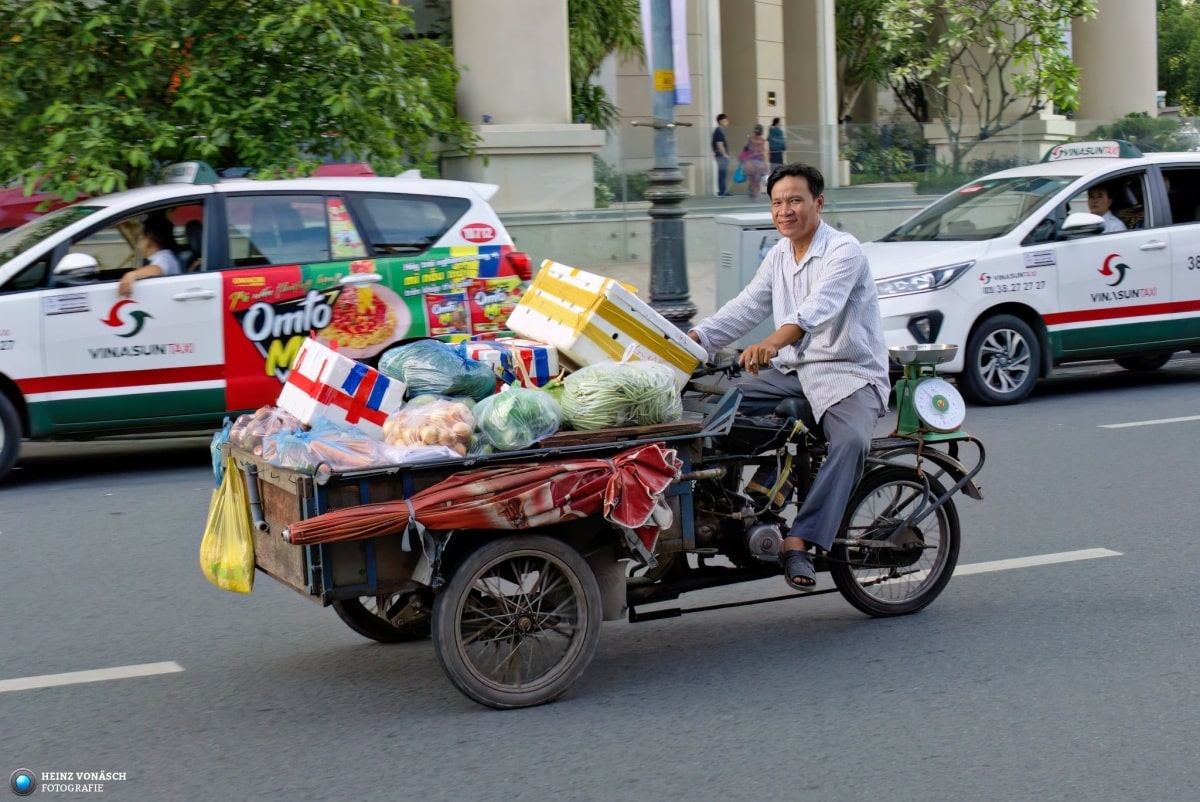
x,y
10,435
1144,364
1002,360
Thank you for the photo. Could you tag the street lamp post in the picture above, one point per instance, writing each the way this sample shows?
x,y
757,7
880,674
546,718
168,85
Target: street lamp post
x,y
669,294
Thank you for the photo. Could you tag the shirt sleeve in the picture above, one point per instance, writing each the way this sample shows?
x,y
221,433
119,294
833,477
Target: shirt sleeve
x,y
835,278
167,262
751,307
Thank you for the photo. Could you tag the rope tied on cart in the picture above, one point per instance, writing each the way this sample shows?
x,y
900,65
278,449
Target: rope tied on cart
x,y
627,490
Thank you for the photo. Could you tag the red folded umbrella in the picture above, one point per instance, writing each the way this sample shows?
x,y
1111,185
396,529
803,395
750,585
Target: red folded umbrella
x,y
625,490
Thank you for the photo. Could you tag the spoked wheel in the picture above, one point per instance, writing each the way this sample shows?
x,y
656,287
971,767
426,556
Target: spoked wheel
x,y
909,572
518,622
390,618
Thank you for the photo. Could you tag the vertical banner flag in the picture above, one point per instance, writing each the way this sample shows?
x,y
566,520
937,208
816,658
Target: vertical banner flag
x,y
679,46
679,50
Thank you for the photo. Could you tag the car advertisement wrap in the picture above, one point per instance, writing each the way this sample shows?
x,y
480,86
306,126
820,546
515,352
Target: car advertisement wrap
x,y
269,311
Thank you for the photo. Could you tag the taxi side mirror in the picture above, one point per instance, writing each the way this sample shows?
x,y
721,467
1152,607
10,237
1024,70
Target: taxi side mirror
x,y
76,268
1082,224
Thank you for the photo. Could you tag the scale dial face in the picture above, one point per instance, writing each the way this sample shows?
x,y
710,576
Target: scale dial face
x,y
939,405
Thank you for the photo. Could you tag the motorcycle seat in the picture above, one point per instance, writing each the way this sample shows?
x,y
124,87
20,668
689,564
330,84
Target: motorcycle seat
x,y
799,409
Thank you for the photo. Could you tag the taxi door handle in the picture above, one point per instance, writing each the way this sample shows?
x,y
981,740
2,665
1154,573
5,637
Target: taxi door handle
x,y
1153,245
195,295
360,279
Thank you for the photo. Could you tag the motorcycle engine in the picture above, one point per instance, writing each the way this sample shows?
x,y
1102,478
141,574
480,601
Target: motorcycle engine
x,y
764,541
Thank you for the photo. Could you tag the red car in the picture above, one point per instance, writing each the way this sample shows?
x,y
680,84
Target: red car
x,y
17,208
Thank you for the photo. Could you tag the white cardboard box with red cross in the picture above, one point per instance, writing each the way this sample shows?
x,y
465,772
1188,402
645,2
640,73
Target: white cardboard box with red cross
x,y
325,383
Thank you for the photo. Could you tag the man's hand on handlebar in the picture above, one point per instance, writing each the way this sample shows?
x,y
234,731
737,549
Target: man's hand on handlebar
x,y
757,356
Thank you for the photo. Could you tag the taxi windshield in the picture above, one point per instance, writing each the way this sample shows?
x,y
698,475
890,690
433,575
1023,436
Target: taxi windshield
x,y
21,239
981,210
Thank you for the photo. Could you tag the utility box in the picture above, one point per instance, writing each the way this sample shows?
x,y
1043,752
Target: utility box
x,y
742,242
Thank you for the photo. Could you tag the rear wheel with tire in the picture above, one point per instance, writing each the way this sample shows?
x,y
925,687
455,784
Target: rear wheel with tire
x,y
518,622
1002,361
390,618
912,569
10,435
1144,364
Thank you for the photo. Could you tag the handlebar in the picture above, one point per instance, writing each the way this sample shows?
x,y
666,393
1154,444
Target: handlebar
x,y
731,368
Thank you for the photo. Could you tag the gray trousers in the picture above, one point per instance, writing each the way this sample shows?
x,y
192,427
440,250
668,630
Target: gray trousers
x,y
848,425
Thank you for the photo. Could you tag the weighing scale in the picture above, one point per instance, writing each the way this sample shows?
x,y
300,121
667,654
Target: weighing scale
x,y
928,407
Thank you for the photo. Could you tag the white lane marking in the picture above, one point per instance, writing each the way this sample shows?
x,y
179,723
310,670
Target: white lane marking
x,y
1037,559
1148,422
97,675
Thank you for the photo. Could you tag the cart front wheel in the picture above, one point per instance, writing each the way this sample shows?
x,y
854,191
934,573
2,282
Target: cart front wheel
x,y
518,622
390,618
910,573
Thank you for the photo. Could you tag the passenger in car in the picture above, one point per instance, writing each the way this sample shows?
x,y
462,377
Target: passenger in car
x,y
1100,202
158,247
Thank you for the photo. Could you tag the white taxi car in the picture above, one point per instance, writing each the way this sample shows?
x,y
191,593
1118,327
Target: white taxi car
x,y
1015,269
364,262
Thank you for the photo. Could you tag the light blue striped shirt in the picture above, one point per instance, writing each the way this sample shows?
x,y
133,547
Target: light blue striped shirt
x,y
831,296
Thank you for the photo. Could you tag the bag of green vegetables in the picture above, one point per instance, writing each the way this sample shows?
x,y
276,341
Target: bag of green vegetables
x,y
610,394
517,417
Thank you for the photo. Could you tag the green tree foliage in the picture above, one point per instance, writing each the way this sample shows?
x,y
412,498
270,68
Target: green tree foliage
x,y
95,95
1150,133
861,62
1179,53
597,29
982,65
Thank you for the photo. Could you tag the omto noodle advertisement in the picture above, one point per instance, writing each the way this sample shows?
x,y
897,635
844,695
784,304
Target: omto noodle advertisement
x,y
268,315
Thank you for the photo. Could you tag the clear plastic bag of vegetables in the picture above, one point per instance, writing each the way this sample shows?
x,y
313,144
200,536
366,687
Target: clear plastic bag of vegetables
x,y
432,366
610,394
439,422
517,417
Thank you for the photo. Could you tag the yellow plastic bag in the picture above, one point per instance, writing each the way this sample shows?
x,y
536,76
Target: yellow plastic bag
x,y
227,550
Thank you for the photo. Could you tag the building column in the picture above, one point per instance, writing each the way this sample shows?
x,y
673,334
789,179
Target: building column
x,y
515,90
1117,56
810,57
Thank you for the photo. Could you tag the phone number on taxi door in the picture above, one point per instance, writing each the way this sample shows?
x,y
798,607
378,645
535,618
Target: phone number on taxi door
x,y
1014,286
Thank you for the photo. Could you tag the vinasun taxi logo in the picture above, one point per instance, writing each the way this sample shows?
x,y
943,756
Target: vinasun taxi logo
x,y
1117,270
129,321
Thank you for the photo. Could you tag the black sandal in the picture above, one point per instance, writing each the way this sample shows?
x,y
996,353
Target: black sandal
x,y
798,570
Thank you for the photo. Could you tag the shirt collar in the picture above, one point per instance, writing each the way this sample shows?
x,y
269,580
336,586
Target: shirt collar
x,y
816,248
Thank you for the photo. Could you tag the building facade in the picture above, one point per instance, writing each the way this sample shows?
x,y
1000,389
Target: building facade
x,y
753,60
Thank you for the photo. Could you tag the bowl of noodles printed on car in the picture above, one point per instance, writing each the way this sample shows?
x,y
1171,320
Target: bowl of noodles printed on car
x,y
366,320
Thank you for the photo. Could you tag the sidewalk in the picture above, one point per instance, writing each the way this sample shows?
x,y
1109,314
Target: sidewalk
x,y
702,281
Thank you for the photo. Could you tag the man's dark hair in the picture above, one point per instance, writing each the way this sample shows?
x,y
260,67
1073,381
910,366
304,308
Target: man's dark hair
x,y
816,181
722,117
158,229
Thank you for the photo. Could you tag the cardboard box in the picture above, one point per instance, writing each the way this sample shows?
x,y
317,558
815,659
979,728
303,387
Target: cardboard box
x,y
591,319
322,382
515,359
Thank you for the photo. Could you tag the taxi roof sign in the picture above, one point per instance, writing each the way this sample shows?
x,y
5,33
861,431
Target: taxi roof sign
x,y
194,172
1103,149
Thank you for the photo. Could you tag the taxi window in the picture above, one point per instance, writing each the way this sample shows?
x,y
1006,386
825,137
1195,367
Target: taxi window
x,y
1183,194
116,246
277,230
21,239
408,224
985,209
1121,200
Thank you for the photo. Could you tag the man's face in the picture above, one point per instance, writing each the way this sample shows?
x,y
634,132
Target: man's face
x,y
1098,201
724,123
795,212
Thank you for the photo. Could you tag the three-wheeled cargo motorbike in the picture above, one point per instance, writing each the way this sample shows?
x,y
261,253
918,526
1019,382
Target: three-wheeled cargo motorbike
x,y
512,561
